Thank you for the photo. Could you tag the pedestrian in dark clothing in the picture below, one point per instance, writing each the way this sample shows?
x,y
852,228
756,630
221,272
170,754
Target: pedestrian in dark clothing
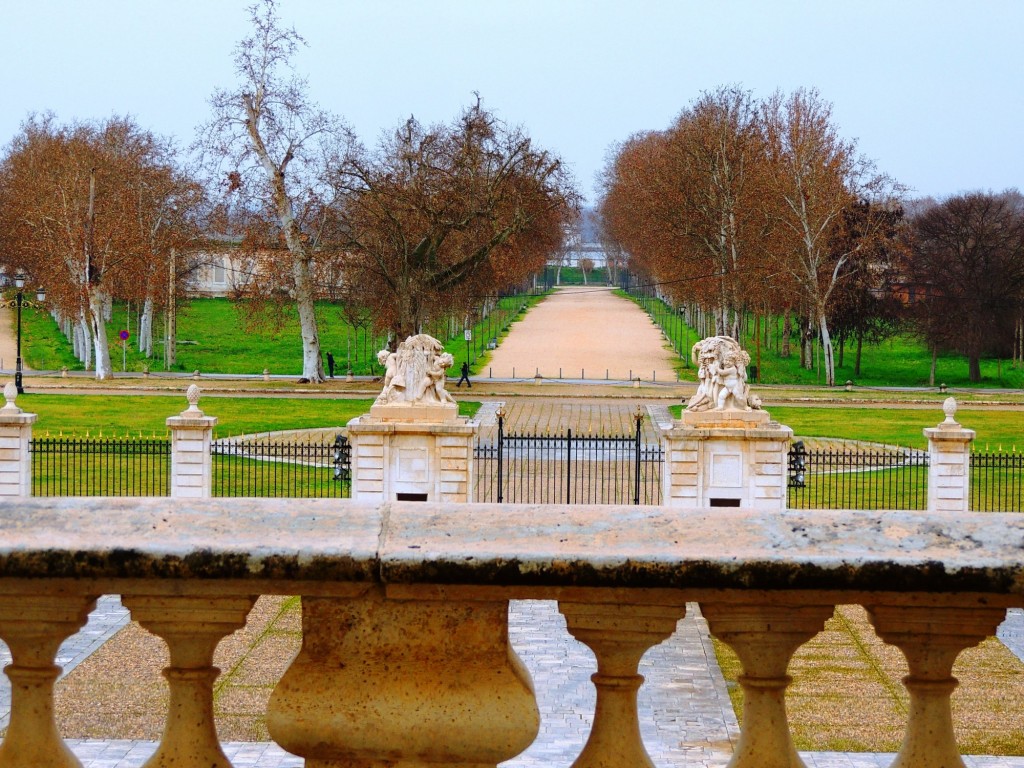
x,y
330,365
465,375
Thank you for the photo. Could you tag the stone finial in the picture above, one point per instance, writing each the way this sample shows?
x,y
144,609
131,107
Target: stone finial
x,y
722,377
10,395
949,408
192,394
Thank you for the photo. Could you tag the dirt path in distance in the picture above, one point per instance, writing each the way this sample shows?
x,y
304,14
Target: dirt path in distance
x,y
583,332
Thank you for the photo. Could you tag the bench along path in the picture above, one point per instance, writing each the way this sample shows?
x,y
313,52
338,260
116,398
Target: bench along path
x,y
583,333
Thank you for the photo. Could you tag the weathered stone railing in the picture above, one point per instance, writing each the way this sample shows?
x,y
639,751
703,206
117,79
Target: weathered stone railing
x,y
405,658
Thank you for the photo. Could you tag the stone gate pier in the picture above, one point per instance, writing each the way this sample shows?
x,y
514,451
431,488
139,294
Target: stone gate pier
x,y
725,451
413,445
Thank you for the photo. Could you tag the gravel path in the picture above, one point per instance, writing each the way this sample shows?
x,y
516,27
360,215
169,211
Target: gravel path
x,y
586,333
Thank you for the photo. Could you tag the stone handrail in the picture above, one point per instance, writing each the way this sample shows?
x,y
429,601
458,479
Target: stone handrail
x,y
405,657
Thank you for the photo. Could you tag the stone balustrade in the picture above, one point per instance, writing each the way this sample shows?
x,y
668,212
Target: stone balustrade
x,y
405,659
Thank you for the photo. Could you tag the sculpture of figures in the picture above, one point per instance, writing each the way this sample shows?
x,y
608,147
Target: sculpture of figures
x,y
389,361
721,376
415,372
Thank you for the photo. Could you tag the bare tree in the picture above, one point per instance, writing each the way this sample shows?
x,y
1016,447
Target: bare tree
x,y
80,208
814,177
967,271
439,216
586,267
271,145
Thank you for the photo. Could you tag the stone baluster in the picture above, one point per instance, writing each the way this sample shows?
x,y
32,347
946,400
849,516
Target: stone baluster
x,y
404,682
618,635
34,626
192,627
765,636
949,463
191,460
931,638
15,436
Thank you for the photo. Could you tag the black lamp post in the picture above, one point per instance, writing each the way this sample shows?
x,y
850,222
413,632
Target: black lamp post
x,y
19,281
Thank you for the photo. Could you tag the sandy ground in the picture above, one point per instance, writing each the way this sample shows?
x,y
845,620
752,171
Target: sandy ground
x,y
8,343
586,333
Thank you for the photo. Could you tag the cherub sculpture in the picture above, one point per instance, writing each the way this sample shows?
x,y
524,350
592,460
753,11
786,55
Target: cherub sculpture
x,y
721,376
415,372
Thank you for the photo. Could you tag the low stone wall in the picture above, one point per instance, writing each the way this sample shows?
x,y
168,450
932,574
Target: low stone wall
x,y
405,656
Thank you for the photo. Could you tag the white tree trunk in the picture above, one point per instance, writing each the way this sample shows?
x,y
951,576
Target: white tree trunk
x,y
827,351
98,303
84,340
146,328
312,364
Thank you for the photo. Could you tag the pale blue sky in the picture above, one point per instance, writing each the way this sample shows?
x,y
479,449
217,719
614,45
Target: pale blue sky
x,y
933,91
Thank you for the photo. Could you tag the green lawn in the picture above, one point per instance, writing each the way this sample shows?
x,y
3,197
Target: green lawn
x,y
146,415
218,336
1001,430
902,361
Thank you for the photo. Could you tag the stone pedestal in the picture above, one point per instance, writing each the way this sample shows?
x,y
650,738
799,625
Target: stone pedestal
x,y
728,458
15,436
412,452
949,463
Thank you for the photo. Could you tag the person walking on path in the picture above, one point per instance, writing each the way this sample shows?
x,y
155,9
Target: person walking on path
x,y
330,365
465,375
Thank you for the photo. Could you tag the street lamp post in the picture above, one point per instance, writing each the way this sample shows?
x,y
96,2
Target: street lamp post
x,y
19,282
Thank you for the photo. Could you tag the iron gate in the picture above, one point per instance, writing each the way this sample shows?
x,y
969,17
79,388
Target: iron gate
x,y
569,468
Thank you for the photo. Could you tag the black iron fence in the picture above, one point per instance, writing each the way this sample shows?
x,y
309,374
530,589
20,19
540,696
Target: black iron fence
x,y
63,466
997,482
306,470
857,478
568,468
514,468
142,467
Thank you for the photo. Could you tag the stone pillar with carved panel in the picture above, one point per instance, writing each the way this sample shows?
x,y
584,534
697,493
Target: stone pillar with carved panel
x,y
725,451
949,463
15,437
413,445
191,457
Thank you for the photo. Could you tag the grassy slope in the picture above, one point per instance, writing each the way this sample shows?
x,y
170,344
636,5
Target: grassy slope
x,y
218,336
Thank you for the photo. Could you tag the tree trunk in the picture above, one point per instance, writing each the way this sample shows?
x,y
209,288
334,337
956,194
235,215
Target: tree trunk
x,y
974,366
826,348
787,331
146,328
171,314
98,303
757,335
84,340
935,362
312,363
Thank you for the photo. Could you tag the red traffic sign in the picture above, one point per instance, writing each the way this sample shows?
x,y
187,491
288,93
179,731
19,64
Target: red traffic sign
x,y
124,335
